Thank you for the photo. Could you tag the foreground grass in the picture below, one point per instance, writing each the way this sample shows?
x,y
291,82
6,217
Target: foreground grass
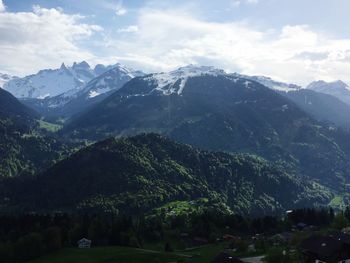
x,y
108,254
131,255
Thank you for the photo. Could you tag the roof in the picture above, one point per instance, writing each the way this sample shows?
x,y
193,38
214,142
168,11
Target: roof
x,y
322,246
84,240
225,258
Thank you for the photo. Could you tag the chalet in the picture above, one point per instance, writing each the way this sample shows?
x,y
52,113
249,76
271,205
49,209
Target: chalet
x,y
326,249
84,243
225,258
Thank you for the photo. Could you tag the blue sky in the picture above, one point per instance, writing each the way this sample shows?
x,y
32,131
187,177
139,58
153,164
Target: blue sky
x,y
290,40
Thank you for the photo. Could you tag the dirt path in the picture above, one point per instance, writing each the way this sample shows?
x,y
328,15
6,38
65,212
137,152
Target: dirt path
x,y
253,259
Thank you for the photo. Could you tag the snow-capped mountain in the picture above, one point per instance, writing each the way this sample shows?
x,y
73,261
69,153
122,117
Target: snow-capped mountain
x,y
174,81
73,101
111,80
337,89
52,82
4,78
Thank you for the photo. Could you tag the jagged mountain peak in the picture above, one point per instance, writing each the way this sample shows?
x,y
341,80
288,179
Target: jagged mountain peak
x,y
63,66
52,82
81,65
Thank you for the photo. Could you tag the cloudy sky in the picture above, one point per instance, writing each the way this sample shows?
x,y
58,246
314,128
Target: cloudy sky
x,y
291,40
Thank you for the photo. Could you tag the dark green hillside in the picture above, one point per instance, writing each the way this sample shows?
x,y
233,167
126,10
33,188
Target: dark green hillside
x,y
138,174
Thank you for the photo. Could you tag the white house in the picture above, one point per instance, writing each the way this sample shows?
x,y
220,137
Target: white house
x,y
84,243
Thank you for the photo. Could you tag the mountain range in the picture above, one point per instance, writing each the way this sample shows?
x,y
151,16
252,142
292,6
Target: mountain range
x,y
65,91
299,137
216,111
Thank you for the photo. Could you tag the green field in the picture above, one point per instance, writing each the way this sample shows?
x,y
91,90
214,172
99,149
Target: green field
x,y
130,255
50,127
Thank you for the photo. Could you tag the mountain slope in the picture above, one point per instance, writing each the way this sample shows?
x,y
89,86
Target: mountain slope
x,y
338,89
22,148
323,107
212,110
138,174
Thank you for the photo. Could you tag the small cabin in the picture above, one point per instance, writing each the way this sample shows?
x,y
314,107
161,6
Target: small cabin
x,y
84,243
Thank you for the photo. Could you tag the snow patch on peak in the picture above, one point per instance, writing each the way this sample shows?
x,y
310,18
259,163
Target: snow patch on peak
x,y
270,83
175,81
93,94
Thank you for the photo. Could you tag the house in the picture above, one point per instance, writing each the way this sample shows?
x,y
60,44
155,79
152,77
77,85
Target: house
x,y
225,258
327,249
301,226
84,243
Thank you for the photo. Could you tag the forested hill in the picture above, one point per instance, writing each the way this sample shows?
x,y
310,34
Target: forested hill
x,y
23,148
138,174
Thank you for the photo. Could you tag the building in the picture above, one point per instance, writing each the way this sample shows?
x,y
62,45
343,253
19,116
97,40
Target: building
x,y
328,249
84,243
225,258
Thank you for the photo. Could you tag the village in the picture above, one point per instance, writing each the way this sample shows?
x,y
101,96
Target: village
x,y
302,243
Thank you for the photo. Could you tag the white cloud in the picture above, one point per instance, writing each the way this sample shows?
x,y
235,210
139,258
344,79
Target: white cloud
x,y
42,38
168,39
129,29
252,1
237,3
120,10
2,6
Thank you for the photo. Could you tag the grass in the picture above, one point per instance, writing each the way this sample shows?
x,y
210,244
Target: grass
x,y
50,127
131,255
337,202
109,255
183,207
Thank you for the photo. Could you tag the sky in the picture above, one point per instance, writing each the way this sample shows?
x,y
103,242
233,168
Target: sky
x,y
296,41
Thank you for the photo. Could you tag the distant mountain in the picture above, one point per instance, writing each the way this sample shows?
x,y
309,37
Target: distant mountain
x,y
52,82
4,78
338,89
210,109
272,84
324,107
138,174
22,148
74,101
